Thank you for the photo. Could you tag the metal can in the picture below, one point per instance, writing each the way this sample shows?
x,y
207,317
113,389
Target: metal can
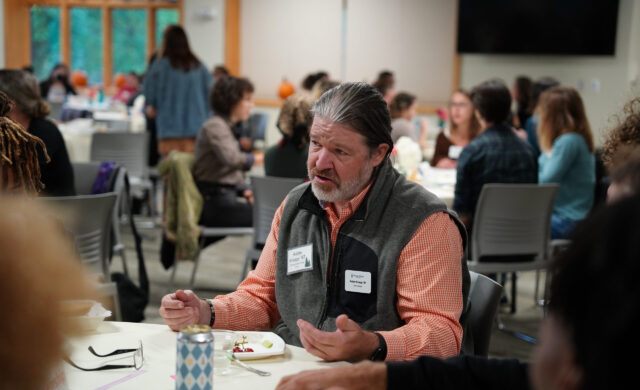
x,y
194,358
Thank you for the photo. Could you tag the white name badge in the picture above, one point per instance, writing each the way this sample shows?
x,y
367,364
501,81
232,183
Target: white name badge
x,y
357,281
300,259
454,151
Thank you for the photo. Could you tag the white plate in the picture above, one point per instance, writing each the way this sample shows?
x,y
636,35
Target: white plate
x,y
255,340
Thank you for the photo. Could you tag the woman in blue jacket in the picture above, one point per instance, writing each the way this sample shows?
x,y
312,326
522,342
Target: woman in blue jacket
x,y
567,157
176,90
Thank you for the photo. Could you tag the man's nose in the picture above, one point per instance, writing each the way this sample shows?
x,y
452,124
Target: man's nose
x,y
324,160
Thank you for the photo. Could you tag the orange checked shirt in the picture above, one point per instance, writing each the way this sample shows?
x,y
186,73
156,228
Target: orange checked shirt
x,y
429,288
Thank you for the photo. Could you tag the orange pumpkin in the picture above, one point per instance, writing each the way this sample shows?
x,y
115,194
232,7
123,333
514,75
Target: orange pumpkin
x,y
79,78
285,89
119,80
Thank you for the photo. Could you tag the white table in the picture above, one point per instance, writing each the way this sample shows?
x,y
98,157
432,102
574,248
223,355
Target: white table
x,y
159,344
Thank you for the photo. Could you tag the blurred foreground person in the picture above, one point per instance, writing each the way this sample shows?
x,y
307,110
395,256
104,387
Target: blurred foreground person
x,y
583,338
33,282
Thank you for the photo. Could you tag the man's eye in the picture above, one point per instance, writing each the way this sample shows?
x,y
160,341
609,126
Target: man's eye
x,y
315,144
341,152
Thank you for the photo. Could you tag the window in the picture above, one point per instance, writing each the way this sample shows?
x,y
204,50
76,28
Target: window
x,y
45,39
100,37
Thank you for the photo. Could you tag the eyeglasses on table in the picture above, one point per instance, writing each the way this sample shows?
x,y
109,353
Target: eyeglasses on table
x,y
138,359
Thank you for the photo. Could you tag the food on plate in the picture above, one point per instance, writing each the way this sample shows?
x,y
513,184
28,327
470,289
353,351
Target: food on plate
x,y
239,346
267,344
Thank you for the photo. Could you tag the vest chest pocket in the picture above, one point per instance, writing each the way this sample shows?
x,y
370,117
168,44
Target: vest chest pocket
x,y
355,281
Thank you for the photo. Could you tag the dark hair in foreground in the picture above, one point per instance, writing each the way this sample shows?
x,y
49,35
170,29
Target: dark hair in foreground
x,y
626,132
175,46
493,100
596,295
227,92
18,151
359,106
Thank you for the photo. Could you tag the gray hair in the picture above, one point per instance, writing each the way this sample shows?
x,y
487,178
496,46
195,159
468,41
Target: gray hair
x,y
360,107
22,87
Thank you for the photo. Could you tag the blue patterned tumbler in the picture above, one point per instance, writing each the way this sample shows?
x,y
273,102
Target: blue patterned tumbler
x,y
194,358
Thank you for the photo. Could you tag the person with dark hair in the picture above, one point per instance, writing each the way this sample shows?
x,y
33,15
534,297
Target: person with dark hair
x,y
57,86
497,155
521,94
30,111
311,79
360,263
218,72
219,164
624,173
403,109
626,131
176,89
594,301
463,128
567,157
19,167
531,125
385,84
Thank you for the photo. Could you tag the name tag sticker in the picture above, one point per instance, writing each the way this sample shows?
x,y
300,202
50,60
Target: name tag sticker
x,y
454,152
300,259
357,281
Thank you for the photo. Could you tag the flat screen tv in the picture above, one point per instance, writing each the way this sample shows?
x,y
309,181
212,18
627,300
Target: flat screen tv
x,y
566,27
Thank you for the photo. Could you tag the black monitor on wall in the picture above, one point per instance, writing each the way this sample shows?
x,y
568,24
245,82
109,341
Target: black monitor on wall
x,y
563,27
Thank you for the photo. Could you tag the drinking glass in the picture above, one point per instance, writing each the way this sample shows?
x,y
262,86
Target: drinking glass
x,y
223,340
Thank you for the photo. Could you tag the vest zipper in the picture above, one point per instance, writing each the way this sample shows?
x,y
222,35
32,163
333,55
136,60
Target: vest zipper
x,y
331,279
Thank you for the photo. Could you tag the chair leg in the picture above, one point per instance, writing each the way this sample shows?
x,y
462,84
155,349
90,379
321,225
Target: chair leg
x,y
514,278
536,288
121,252
173,276
243,273
196,261
503,328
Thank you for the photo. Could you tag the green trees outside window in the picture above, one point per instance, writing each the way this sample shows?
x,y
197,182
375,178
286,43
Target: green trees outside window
x,y
45,39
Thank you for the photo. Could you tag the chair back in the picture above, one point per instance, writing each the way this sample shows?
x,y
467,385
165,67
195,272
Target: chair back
x,y
88,219
484,297
129,150
268,193
512,224
84,174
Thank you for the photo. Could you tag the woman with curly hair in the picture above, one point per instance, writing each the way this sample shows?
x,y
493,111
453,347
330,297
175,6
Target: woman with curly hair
x,y
627,132
219,164
19,167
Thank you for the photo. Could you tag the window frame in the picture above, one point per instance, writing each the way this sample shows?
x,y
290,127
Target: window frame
x,y
18,24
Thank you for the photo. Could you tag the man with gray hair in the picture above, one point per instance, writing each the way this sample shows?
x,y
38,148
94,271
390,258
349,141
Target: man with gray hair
x,y
360,263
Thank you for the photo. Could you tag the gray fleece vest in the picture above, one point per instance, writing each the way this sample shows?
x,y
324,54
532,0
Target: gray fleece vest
x,y
369,242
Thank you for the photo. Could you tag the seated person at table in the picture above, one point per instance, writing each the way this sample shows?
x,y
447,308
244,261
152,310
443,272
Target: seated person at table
x,y
497,155
531,125
30,111
403,109
130,90
463,127
219,164
584,339
19,167
567,157
360,263
56,88
39,270
625,174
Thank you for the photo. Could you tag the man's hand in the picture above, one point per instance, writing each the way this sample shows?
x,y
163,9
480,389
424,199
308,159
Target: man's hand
x,y
348,342
249,195
182,308
365,375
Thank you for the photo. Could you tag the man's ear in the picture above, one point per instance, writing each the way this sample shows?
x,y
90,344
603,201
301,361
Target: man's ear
x,y
378,154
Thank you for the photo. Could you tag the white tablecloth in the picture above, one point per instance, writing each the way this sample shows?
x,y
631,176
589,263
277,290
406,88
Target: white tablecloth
x,y
441,182
159,344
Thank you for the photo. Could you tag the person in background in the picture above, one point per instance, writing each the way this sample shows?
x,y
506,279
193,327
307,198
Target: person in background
x,y
219,164
598,268
496,155
464,127
626,132
56,88
624,174
30,111
385,84
312,79
218,72
567,157
403,109
176,89
130,90
398,280
39,271
531,125
521,94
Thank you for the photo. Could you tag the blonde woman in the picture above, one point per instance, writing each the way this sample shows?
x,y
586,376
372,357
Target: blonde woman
x,y
567,157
